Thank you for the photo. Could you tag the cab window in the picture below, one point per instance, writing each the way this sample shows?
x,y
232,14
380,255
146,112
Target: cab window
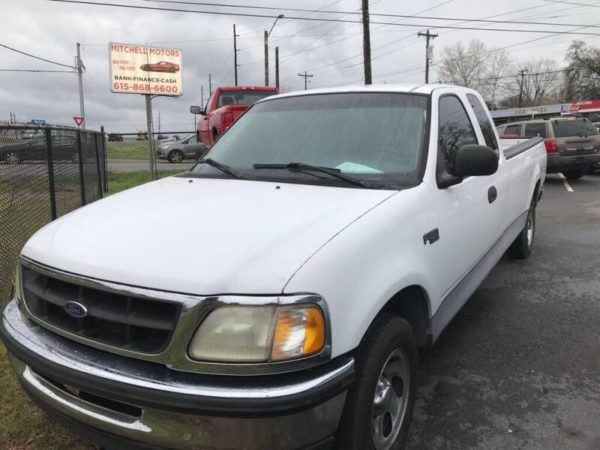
x,y
455,130
487,128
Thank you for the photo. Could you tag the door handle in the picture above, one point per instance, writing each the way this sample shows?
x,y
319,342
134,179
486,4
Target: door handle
x,y
492,194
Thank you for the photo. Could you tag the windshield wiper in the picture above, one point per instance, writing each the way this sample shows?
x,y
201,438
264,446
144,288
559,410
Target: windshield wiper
x,y
219,166
301,167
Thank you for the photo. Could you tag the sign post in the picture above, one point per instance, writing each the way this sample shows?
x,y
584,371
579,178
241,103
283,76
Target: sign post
x,y
147,70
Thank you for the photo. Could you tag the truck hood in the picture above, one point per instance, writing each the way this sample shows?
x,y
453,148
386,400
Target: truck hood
x,y
201,236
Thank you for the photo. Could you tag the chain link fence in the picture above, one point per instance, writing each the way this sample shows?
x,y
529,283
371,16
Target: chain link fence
x,y
45,172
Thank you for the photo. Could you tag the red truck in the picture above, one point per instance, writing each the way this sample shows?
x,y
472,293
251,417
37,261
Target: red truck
x,y
224,106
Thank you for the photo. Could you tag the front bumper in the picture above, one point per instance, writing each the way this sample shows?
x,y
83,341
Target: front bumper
x,y
126,403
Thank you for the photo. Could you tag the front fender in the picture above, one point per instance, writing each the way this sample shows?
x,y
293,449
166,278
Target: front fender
x,y
361,268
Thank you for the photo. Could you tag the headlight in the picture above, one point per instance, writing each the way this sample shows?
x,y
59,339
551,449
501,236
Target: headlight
x,y
18,285
244,334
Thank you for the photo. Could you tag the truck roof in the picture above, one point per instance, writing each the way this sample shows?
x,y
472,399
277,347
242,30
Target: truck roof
x,y
247,88
397,88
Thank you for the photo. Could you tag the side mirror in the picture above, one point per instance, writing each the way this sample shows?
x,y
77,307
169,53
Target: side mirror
x,y
197,110
474,160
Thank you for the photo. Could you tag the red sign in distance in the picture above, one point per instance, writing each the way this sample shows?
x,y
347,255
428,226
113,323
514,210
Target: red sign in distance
x,y
78,120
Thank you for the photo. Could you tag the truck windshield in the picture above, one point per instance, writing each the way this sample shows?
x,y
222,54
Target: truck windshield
x,y
373,137
242,97
571,128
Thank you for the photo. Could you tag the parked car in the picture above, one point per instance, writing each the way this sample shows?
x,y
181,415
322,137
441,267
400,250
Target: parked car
x,y
224,106
63,148
335,233
573,144
161,66
114,137
177,151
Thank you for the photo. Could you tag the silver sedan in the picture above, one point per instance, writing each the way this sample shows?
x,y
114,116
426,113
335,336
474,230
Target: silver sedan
x,y
176,152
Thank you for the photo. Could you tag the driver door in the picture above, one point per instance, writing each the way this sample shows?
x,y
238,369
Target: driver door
x,y
468,215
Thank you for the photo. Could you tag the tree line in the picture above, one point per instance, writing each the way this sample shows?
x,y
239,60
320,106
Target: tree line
x,y
506,83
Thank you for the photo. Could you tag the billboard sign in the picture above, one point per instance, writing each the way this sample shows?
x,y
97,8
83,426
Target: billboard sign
x,y
140,69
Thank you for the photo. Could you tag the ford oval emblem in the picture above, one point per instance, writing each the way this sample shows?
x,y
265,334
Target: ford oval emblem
x,y
76,309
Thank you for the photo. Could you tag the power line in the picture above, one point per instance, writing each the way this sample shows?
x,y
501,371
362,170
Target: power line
x,y
36,57
573,3
376,48
321,19
36,70
356,13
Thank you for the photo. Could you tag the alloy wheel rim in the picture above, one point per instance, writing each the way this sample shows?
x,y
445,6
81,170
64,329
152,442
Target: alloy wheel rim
x,y
390,400
12,158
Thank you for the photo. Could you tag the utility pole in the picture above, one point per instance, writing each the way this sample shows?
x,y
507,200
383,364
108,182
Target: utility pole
x,y
209,84
266,37
306,76
522,74
235,52
277,67
159,123
428,36
202,96
366,42
80,67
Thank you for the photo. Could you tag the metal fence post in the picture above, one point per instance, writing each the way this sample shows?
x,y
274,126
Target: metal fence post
x,y
81,180
96,136
104,159
51,185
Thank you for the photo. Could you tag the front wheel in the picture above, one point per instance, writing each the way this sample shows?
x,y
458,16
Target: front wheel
x,y
175,156
379,406
522,245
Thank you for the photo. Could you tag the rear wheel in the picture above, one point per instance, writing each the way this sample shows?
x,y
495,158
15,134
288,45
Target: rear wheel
x,y
574,174
380,403
175,156
522,245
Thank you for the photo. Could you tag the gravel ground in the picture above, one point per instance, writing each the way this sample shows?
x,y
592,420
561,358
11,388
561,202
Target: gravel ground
x,y
519,366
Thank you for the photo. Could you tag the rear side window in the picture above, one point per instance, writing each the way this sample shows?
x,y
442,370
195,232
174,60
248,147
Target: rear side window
x,y
487,128
535,129
513,129
578,127
455,129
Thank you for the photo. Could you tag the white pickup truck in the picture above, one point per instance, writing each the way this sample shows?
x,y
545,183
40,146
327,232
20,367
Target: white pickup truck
x,y
332,234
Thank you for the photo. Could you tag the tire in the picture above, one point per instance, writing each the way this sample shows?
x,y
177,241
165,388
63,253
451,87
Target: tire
x,y
12,158
574,174
175,156
386,365
75,158
522,245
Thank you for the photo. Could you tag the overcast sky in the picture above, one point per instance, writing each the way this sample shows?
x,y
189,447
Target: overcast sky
x,y
330,51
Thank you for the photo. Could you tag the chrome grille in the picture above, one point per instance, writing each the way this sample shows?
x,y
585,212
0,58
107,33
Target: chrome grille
x,y
127,322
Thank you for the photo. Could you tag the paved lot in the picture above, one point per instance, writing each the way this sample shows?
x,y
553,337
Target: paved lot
x,y
124,165
519,366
